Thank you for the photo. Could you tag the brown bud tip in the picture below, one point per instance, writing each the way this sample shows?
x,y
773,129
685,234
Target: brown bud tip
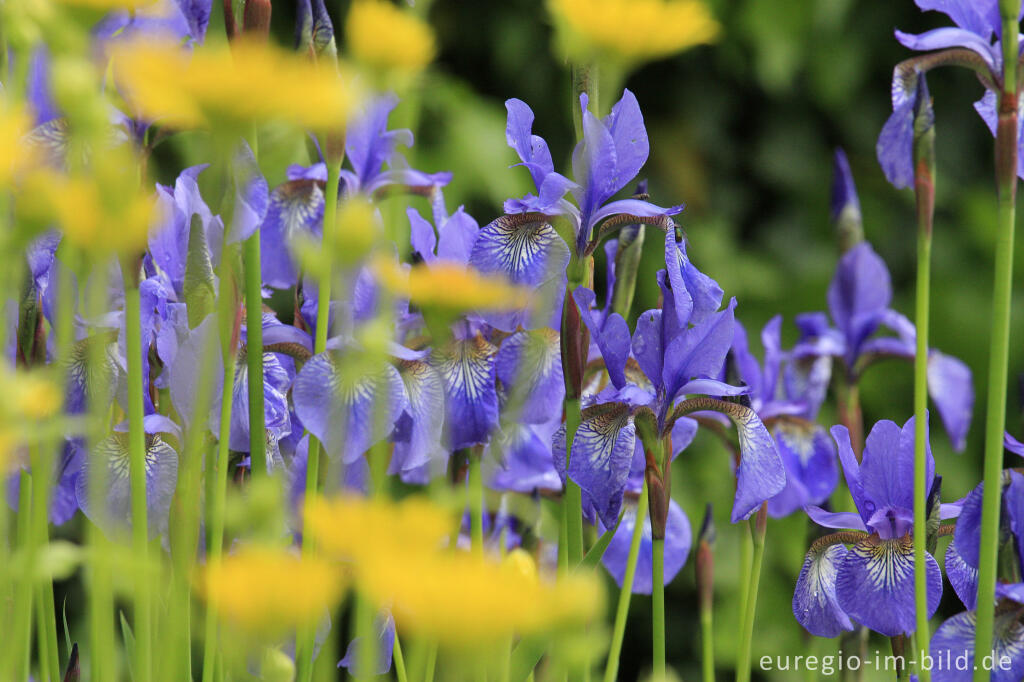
x,y
658,503
256,19
335,147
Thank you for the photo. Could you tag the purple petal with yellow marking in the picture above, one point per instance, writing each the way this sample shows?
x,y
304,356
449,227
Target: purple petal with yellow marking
x,y
815,604
467,368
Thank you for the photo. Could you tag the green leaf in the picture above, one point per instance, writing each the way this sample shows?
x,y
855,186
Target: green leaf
x,y
129,645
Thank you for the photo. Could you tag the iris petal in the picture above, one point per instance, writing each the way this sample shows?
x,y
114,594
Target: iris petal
x,y
678,539
814,600
467,368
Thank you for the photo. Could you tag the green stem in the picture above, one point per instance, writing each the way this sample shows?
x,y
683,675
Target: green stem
x,y
476,502
707,639
46,655
137,476
23,597
746,557
1006,183
924,253
399,661
254,354
215,524
611,670
573,493
428,675
747,633
658,609
365,629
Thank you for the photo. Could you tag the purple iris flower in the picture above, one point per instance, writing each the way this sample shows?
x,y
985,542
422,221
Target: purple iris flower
x,y
297,206
872,582
67,470
806,450
161,477
612,152
678,539
678,350
978,29
858,301
955,637
384,627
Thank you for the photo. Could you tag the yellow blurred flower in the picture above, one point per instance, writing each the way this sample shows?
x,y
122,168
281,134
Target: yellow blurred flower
x,y
106,5
269,591
633,30
459,598
36,397
380,35
92,208
251,82
450,286
16,153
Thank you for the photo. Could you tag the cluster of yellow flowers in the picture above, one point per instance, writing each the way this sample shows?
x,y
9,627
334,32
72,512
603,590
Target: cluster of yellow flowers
x,y
632,30
17,155
29,398
450,286
270,591
462,599
250,82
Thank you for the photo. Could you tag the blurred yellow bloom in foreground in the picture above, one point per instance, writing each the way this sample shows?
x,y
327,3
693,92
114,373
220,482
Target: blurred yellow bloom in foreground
x,y
16,153
93,209
269,591
249,83
633,29
450,286
36,397
380,35
105,5
459,598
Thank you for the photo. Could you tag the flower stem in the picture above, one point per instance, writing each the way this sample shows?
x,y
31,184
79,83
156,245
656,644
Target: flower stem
x,y
746,557
995,411
254,355
760,526
924,189
23,596
400,672
137,476
476,501
658,608
611,670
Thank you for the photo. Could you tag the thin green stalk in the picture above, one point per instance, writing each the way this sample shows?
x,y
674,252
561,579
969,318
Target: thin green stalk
x,y
215,524
46,625
254,354
707,640
23,597
137,477
46,655
476,502
924,253
365,629
428,675
995,422
746,557
658,609
611,670
306,637
400,672
573,493
747,633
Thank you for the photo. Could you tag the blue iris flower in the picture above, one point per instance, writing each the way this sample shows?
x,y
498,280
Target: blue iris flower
x,y
806,450
859,297
872,582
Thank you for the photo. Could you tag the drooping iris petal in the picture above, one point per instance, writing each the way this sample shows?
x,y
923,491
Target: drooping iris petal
x,y
112,454
529,365
761,474
384,627
967,535
858,295
277,420
528,252
467,368
678,540
421,441
950,386
962,577
599,463
611,335
954,641
525,458
251,195
348,408
875,585
700,351
812,472
295,206
88,381
815,604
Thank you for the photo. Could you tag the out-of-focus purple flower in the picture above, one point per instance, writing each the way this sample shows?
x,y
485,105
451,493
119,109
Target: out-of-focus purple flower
x,y
872,582
384,627
67,470
805,448
678,539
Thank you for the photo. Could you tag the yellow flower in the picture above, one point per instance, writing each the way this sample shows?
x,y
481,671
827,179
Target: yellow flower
x,y
269,591
633,30
106,5
450,286
379,34
459,598
93,209
16,154
249,83
37,398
